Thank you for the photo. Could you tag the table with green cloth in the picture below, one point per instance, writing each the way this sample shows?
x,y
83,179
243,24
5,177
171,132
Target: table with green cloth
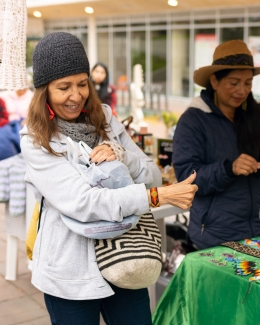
x,y
204,293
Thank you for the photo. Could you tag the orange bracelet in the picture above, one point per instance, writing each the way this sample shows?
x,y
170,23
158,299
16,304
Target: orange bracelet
x,y
154,197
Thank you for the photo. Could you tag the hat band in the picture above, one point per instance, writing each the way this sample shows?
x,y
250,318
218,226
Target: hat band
x,y
238,59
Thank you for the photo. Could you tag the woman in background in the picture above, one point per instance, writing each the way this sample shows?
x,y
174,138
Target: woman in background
x,y
219,137
107,93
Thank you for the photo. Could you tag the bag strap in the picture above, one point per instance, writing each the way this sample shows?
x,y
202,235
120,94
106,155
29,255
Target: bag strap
x,y
239,247
40,214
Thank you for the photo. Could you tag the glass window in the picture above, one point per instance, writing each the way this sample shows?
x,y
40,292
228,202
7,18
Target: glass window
x,y
158,23
119,50
119,25
138,24
180,50
254,47
230,33
254,19
205,44
232,20
102,26
103,47
30,46
180,22
205,21
254,31
158,57
84,40
138,49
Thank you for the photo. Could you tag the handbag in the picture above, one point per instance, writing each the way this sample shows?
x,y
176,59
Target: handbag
x,y
112,175
132,260
33,229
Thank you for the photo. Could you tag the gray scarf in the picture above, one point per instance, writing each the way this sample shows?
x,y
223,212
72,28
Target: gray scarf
x,y
79,132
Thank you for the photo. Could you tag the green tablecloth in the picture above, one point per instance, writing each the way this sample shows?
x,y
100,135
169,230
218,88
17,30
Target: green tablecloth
x,y
202,293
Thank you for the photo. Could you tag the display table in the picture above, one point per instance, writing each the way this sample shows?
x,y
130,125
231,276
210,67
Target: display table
x,y
203,293
159,214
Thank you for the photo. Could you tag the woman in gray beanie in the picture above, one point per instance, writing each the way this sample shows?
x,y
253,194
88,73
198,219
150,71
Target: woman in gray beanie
x,y
64,264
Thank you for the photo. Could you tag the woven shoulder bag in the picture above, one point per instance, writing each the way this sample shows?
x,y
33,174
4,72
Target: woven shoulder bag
x,y
132,260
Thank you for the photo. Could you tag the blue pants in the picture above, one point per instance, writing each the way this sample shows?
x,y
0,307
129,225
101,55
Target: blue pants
x,y
125,307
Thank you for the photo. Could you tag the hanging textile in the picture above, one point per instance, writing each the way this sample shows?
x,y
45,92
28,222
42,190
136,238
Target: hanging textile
x,y
13,24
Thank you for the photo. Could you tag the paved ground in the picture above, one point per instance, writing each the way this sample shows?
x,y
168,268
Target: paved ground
x,y
20,302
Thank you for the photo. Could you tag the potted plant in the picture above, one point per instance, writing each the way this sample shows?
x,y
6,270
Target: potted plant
x,y
170,119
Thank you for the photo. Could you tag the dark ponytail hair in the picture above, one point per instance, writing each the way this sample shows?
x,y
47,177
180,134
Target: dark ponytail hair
x,y
103,86
247,126
246,122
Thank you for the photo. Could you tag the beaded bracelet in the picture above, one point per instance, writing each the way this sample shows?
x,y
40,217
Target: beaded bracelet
x,y
154,197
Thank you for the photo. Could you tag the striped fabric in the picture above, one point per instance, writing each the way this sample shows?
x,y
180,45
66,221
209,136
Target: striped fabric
x,y
12,184
15,226
132,260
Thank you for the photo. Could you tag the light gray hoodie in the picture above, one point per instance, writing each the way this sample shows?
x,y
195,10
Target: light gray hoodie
x,y
64,263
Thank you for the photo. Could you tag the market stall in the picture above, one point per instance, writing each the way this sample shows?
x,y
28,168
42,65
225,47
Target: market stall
x,y
213,286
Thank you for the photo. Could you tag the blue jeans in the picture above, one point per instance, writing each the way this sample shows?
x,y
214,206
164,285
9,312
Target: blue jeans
x,y
125,307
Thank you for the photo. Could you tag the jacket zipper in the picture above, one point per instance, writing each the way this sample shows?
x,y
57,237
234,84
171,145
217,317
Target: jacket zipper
x,y
202,229
251,207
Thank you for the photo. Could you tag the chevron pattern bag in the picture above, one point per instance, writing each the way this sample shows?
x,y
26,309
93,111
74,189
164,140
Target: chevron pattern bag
x,y
132,260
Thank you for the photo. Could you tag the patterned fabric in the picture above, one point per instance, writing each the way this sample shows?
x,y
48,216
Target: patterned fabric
x,y
238,59
58,55
13,24
118,150
79,132
3,113
132,260
242,248
12,184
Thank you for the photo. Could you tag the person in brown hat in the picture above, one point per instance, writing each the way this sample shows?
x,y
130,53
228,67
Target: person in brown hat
x,y
219,137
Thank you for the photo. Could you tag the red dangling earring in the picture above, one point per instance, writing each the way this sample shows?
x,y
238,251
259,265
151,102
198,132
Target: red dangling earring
x,y
84,110
52,114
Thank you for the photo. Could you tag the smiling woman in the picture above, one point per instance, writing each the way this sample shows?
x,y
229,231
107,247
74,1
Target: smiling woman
x,y
65,104
67,96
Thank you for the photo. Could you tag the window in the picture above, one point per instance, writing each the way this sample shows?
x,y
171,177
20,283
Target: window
x,y
158,57
119,50
103,47
180,50
138,49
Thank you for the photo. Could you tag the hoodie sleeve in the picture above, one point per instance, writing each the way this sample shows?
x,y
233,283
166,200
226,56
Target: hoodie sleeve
x,y
142,168
189,153
66,191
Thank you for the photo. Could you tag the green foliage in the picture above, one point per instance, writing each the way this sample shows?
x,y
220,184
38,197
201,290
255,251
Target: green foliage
x,y
169,118
138,58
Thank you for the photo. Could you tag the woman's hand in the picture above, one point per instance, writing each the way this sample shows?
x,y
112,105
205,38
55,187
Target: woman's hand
x,y
179,194
102,153
245,165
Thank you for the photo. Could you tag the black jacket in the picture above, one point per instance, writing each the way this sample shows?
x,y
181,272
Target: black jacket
x,y
226,207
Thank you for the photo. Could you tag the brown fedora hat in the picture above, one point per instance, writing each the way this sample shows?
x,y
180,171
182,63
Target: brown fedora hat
x,y
229,55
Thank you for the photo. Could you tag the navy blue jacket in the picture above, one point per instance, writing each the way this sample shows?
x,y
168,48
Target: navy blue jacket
x,y
226,207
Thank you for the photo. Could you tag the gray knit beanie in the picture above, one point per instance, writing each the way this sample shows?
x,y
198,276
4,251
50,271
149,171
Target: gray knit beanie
x,y
58,55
